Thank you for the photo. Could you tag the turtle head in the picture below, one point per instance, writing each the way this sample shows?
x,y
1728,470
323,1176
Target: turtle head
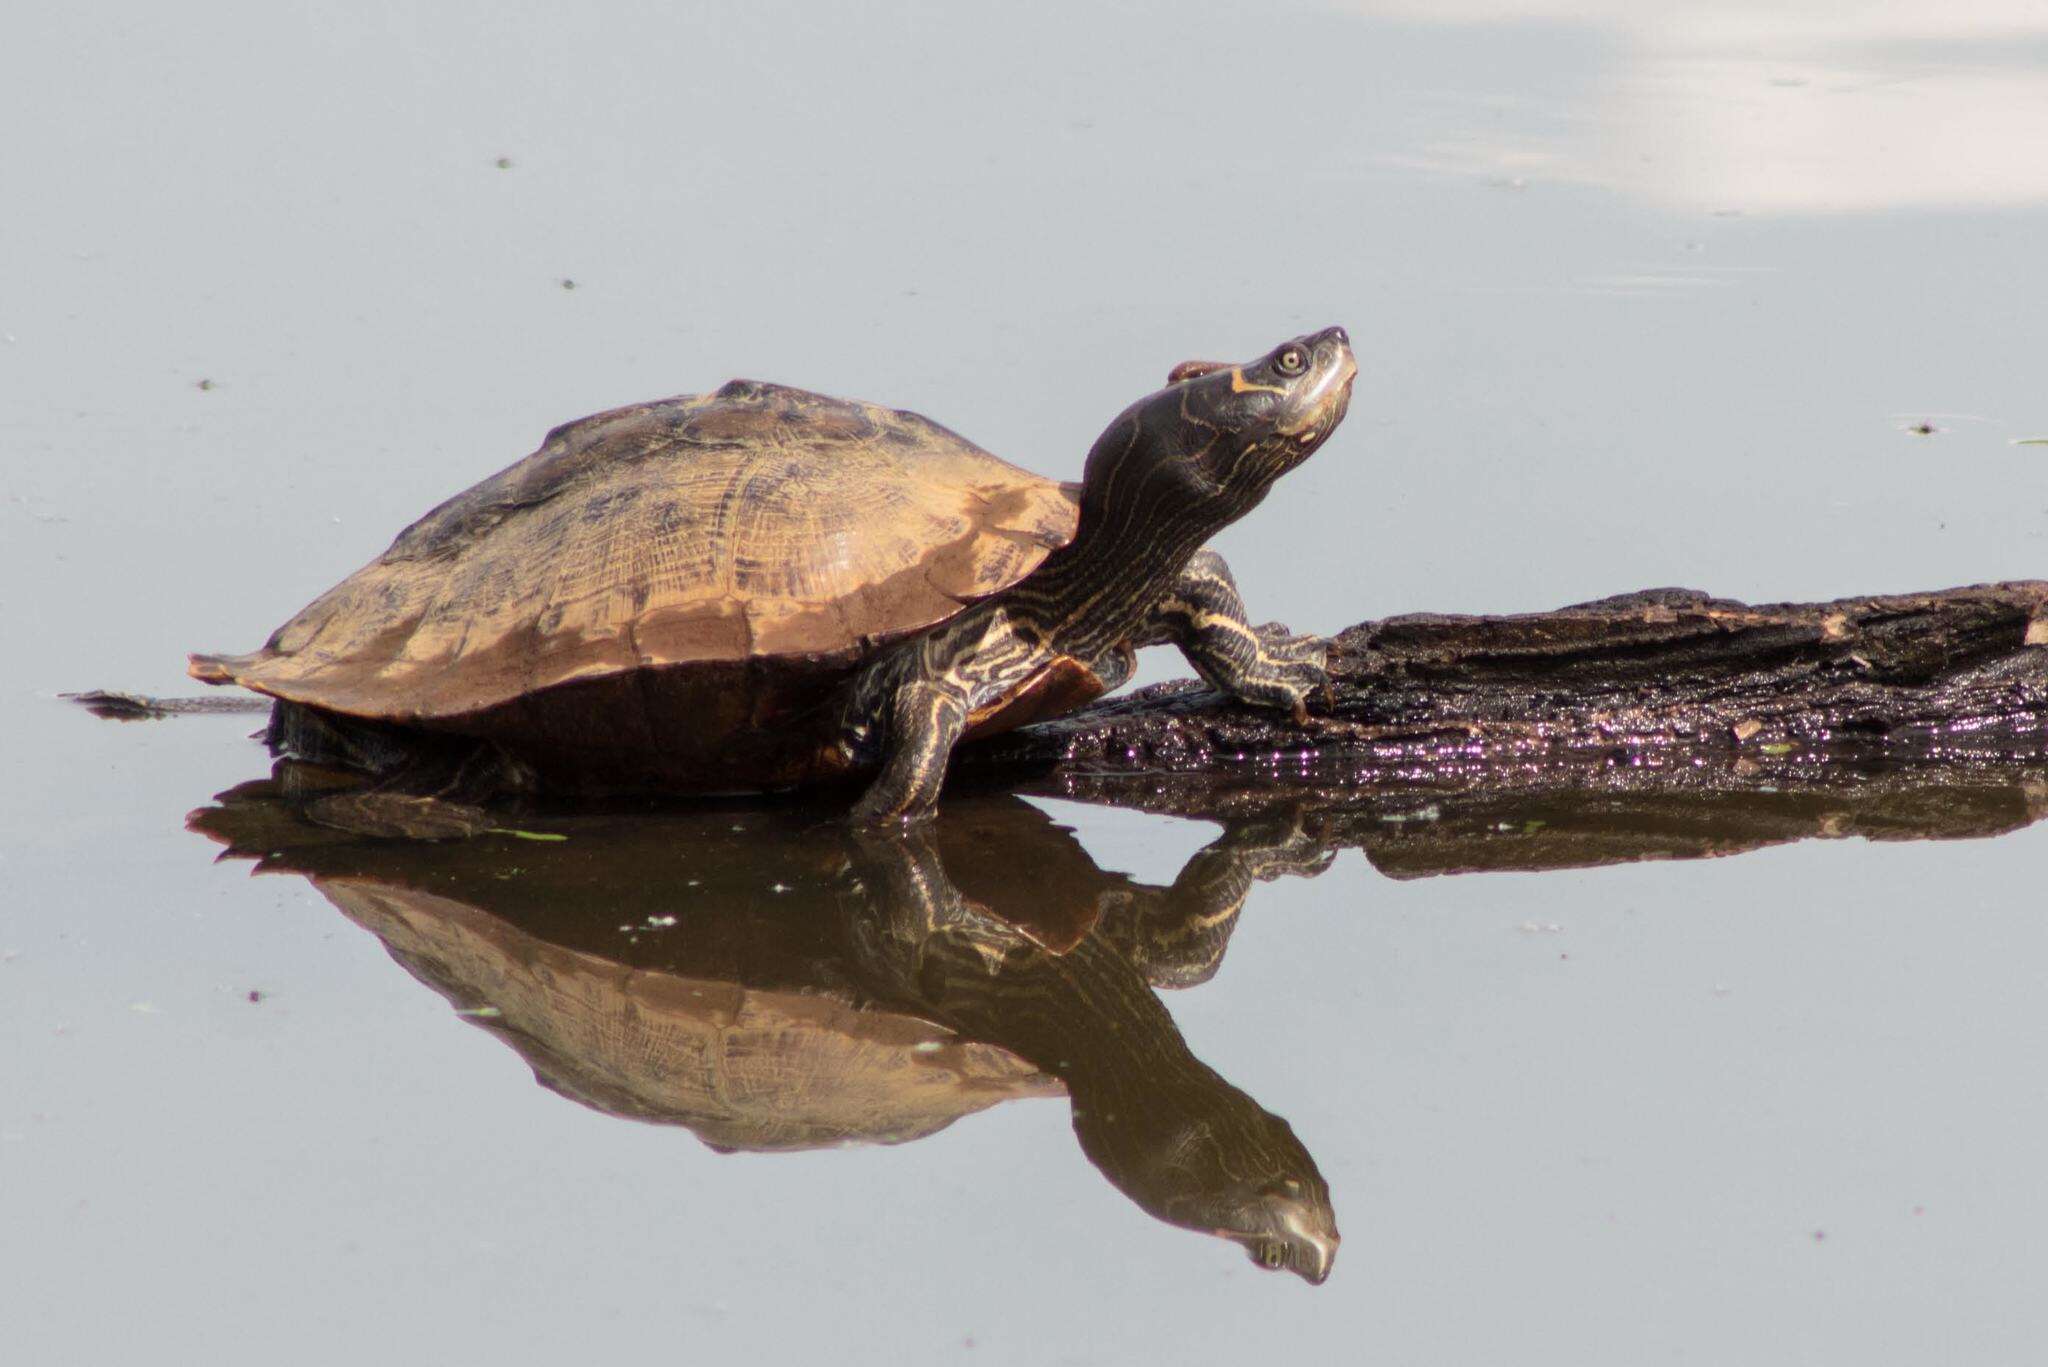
x,y
1206,448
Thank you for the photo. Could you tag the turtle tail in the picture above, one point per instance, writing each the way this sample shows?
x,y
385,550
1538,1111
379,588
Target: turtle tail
x,y
115,704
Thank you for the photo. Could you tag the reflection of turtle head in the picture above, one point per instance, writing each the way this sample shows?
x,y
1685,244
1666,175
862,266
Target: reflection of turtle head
x,y
1235,1170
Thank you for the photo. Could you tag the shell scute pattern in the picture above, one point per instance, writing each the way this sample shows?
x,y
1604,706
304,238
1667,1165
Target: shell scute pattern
x,y
758,522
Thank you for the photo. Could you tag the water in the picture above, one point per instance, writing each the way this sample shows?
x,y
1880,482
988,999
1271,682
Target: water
x,y
1642,294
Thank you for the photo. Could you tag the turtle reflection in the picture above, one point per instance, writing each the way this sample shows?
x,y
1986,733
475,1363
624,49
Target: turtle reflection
x,y
772,980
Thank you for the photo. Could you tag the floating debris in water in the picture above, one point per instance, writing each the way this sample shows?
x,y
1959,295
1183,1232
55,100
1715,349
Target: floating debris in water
x,y
503,163
256,994
2030,441
567,283
1921,429
517,834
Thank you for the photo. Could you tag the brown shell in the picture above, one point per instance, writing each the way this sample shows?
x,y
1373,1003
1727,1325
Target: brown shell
x,y
756,524
747,1022
742,1067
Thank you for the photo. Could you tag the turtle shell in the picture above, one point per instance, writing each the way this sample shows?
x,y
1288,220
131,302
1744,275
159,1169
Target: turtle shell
x,y
642,601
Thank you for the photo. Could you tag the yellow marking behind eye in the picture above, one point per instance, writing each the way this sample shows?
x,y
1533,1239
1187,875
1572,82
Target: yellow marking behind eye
x,y
1240,385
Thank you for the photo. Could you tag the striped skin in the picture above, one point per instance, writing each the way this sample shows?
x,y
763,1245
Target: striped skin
x,y
1168,474
1202,613
1173,1135
1176,935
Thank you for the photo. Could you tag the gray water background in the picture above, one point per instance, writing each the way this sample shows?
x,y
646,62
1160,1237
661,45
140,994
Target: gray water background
x,y
1643,294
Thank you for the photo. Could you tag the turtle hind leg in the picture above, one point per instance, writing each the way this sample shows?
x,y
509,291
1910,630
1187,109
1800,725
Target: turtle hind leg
x,y
389,814
316,736
926,717
1267,665
411,786
442,797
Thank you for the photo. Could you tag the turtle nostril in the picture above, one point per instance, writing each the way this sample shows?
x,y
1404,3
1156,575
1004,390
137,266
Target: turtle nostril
x,y
1339,335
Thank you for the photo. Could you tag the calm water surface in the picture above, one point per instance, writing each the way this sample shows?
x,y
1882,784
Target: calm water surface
x,y
1643,294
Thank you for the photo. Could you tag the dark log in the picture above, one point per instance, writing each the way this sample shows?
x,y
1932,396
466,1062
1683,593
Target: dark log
x,y
1667,691
1703,812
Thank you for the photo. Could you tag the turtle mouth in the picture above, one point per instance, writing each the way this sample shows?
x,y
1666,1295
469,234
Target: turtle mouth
x,y
1297,1244
1331,402
1339,402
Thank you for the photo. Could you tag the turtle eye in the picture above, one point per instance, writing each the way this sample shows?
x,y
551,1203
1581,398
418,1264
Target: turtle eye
x,y
1290,361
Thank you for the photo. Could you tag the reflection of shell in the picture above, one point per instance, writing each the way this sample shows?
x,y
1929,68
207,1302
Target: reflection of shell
x,y
741,1067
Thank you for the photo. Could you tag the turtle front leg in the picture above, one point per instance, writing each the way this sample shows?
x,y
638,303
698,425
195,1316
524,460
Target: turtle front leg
x,y
1265,665
925,719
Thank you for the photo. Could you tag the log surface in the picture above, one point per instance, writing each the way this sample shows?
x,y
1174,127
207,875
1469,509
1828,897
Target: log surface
x,y
1662,690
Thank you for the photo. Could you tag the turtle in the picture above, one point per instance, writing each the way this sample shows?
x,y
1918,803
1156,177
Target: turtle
x,y
760,588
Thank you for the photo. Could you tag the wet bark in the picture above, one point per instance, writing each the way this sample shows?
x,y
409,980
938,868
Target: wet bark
x,y
1665,692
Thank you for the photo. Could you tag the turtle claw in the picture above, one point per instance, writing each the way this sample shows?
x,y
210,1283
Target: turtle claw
x,y
1279,845
1291,669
